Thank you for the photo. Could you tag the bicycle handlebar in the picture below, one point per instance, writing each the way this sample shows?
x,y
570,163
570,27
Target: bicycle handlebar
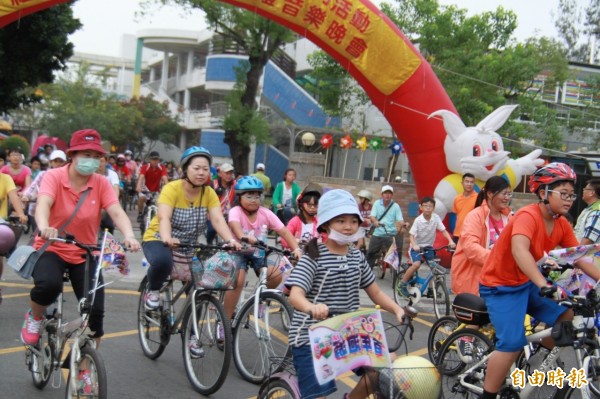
x,y
269,249
198,245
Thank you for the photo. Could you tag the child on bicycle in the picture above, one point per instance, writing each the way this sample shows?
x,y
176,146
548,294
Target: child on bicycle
x,y
246,220
510,279
330,275
422,234
303,226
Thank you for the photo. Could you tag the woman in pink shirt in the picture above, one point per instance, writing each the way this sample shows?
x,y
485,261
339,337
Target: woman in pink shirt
x,y
246,221
20,173
58,196
304,225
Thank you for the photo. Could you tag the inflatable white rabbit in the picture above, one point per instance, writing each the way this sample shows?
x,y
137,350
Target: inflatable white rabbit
x,y
478,150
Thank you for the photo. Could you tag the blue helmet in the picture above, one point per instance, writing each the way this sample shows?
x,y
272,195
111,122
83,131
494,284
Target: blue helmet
x,y
194,152
248,184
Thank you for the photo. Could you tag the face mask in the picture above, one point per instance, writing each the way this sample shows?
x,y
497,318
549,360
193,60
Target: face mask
x,y
87,166
343,238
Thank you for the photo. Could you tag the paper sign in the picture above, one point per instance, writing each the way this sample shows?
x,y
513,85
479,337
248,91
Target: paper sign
x,y
348,341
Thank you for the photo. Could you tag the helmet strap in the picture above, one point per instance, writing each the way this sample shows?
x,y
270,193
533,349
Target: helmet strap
x,y
547,204
187,179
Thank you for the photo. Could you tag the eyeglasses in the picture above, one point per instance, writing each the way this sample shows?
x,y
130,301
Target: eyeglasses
x,y
251,197
506,194
427,206
565,196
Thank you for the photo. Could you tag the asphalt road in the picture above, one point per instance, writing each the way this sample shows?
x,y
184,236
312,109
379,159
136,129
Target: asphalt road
x,y
130,373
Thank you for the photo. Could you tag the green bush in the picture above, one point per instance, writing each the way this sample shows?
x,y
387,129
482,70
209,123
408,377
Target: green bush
x,y
15,141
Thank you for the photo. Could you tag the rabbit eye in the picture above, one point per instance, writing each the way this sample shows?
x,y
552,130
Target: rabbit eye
x,y
477,150
495,146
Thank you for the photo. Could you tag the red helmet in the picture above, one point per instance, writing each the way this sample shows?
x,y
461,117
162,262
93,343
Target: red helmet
x,y
549,174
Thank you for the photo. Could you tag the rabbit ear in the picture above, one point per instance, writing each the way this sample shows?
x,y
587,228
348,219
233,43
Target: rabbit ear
x,y
496,119
453,125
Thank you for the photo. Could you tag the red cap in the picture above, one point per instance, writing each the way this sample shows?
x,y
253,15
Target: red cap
x,y
87,139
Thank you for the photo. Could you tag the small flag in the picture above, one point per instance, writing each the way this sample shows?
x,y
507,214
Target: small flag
x,y
113,257
391,257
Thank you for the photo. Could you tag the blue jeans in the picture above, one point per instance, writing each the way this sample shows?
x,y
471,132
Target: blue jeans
x,y
161,263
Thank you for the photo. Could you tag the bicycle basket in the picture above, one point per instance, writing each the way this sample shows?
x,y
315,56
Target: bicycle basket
x,y
218,272
181,266
410,377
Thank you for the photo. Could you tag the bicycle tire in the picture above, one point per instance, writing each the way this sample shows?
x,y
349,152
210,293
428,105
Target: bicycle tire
x,y
276,389
98,375
253,365
441,299
41,375
451,363
398,298
207,373
151,327
439,332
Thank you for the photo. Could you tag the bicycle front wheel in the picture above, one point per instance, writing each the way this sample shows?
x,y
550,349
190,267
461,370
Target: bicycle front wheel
x,y
379,265
398,297
207,356
40,363
91,381
440,330
277,389
252,348
441,299
152,326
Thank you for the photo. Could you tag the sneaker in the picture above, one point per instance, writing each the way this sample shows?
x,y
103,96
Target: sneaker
x,y
84,380
220,332
30,333
195,347
152,300
465,349
403,289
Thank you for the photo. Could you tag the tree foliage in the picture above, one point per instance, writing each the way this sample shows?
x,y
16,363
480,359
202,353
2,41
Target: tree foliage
x,y
259,38
76,102
15,142
32,49
577,22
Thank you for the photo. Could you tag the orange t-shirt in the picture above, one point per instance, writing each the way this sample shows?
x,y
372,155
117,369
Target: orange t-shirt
x,y
501,269
462,206
86,222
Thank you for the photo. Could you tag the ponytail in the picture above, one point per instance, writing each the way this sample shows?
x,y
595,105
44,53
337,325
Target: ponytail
x,y
312,249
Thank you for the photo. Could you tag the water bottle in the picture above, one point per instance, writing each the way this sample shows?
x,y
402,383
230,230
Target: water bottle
x,y
262,237
196,270
145,263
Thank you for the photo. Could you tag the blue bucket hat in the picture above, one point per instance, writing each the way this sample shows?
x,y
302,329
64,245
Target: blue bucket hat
x,y
335,203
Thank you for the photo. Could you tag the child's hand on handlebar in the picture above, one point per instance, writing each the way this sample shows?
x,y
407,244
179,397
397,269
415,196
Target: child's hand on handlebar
x,y
319,311
297,253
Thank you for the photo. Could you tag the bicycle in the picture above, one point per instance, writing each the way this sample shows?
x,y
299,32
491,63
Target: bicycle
x,y
282,382
380,266
200,320
435,280
150,210
46,358
262,322
464,377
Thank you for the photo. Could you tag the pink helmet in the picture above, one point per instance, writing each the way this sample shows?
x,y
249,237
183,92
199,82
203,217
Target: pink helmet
x,y
7,239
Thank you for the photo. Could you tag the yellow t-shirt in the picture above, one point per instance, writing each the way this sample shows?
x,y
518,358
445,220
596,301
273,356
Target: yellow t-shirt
x,y
6,186
189,218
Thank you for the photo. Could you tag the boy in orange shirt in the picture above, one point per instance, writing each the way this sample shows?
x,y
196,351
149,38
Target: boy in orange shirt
x,y
510,279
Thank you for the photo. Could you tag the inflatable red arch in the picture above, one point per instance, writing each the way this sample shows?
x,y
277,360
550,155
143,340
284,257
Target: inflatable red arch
x,y
367,43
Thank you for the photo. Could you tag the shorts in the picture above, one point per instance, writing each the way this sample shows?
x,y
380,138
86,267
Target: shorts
x,y
307,380
415,256
243,260
507,307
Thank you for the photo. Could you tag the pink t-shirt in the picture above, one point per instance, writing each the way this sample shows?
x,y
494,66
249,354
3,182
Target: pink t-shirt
x,y
264,216
19,178
86,222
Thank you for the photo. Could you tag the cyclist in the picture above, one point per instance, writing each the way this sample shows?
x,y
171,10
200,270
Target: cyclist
x,y
422,234
57,198
284,196
510,279
386,217
304,225
224,187
480,231
152,176
330,275
113,179
20,173
246,220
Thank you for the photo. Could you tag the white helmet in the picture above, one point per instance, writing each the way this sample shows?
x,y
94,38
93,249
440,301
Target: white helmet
x,y
365,194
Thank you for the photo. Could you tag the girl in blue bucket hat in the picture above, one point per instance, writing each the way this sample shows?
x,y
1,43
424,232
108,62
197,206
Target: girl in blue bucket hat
x,y
330,275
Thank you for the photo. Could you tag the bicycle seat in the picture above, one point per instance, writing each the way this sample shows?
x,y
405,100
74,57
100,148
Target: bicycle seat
x,y
470,309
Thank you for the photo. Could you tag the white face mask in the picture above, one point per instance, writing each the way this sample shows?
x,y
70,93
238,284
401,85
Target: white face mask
x,y
343,238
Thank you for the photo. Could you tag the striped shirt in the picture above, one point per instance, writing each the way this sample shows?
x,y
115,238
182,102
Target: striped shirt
x,y
334,280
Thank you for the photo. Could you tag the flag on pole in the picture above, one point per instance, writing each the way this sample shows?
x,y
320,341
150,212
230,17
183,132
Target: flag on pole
x,y
391,256
113,255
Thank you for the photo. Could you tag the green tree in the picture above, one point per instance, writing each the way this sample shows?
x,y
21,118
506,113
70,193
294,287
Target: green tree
x,y
15,142
259,38
578,22
32,49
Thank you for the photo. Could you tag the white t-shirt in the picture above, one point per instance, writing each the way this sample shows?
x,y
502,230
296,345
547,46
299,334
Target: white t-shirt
x,y
286,199
112,177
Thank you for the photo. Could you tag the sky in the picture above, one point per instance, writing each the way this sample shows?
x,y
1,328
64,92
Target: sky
x,y
105,21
